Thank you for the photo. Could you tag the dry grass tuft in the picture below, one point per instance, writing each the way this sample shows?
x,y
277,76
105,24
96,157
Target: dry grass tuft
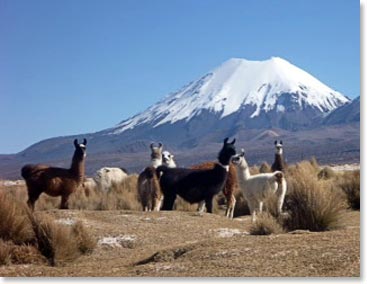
x,y
312,204
265,168
14,224
60,243
266,224
26,238
326,173
350,183
5,252
86,243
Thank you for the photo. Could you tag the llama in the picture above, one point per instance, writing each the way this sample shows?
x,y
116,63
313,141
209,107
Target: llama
x,y
167,159
55,181
228,189
149,190
148,187
196,185
280,165
256,187
107,178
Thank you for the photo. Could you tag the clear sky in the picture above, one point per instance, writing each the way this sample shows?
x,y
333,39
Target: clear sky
x,y
78,66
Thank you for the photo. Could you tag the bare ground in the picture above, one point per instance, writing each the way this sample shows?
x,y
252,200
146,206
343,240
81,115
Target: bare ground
x,y
139,244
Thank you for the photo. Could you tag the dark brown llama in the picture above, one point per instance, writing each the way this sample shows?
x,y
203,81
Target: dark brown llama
x,y
196,185
56,181
279,164
229,188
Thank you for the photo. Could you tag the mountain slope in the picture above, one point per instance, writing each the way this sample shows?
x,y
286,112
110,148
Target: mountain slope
x,y
238,85
254,101
345,114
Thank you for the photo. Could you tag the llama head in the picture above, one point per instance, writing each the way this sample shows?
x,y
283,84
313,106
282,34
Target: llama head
x,y
167,159
278,147
228,150
80,148
239,160
156,154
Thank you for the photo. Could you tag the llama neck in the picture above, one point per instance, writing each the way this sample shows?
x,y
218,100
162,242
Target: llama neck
x,y
156,163
172,164
279,161
243,173
226,167
78,167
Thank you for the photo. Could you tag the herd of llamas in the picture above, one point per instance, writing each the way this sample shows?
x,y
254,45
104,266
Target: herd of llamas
x,y
162,181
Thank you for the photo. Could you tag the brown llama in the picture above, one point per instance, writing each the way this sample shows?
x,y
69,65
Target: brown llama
x,y
149,190
56,181
229,188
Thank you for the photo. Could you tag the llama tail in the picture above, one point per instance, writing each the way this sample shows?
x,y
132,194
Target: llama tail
x,y
279,177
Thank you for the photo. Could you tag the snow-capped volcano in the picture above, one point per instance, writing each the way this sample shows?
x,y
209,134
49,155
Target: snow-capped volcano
x,y
254,101
256,87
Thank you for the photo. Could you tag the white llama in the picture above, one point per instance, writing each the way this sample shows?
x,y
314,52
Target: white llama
x,y
256,187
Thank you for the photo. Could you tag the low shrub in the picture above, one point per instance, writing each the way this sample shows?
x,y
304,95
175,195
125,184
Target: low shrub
x,y
326,173
265,168
312,204
349,183
266,224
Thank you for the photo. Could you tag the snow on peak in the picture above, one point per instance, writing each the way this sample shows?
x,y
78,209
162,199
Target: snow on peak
x,y
237,83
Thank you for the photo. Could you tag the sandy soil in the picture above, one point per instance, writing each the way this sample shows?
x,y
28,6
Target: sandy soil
x,y
183,244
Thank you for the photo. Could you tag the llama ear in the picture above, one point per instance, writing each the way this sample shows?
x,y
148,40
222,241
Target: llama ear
x,y
275,142
160,145
242,152
225,140
281,142
76,142
151,146
233,141
85,142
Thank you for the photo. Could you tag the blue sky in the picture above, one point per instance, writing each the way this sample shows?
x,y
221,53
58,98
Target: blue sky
x,y
78,66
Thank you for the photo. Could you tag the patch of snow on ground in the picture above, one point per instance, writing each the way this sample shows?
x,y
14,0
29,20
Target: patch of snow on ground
x,y
12,182
65,221
228,233
126,241
346,167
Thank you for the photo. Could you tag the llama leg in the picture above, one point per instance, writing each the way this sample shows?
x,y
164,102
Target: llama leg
x,y
157,201
256,209
231,202
64,202
261,204
251,208
209,205
168,201
281,195
201,207
32,198
157,195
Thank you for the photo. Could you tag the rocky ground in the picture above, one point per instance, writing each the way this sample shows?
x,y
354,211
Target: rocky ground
x,y
138,244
